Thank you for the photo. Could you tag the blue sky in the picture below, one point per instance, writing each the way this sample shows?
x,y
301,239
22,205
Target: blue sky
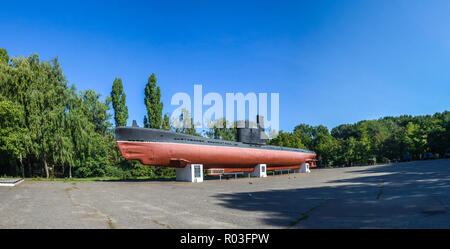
x,y
332,62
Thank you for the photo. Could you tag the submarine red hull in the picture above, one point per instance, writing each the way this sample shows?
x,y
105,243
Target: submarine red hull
x,y
230,159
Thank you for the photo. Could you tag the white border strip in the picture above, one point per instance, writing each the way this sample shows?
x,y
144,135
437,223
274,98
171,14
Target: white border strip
x,y
11,184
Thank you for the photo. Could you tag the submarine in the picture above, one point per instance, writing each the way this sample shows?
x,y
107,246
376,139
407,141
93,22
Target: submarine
x,y
164,148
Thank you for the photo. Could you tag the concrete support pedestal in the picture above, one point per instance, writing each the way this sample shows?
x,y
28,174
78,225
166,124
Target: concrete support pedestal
x,y
260,171
190,173
304,168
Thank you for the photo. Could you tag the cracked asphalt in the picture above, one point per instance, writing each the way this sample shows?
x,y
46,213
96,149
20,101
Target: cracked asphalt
x,y
401,195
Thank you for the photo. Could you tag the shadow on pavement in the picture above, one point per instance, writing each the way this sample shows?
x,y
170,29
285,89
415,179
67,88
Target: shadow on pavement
x,y
394,196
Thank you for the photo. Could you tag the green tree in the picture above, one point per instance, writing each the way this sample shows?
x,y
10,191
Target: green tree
x,y
4,58
86,121
287,139
41,87
323,144
184,123
145,121
348,150
218,130
166,122
12,133
97,111
153,104
118,98
305,133
57,127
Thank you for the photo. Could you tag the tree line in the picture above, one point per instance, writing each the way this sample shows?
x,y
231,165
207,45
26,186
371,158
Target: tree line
x,y
49,129
384,140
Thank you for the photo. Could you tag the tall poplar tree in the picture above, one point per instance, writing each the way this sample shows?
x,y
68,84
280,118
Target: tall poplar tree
x,y
118,102
145,121
4,58
153,104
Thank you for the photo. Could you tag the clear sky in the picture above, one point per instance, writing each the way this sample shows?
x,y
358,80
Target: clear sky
x,y
332,62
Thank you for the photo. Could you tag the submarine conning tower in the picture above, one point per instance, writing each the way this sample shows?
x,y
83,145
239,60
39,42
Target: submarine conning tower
x,y
250,132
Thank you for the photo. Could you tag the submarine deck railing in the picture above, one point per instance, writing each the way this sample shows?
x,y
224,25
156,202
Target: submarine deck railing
x,y
274,172
232,173
281,171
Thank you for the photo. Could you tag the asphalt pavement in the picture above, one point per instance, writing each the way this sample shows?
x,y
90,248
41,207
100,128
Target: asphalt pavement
x,y
401,195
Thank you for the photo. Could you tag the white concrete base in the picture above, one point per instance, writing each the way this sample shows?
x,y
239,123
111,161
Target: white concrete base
x,y
190,173
304,168
260,171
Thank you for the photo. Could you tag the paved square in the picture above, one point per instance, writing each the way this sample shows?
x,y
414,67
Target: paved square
x,y
402,195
